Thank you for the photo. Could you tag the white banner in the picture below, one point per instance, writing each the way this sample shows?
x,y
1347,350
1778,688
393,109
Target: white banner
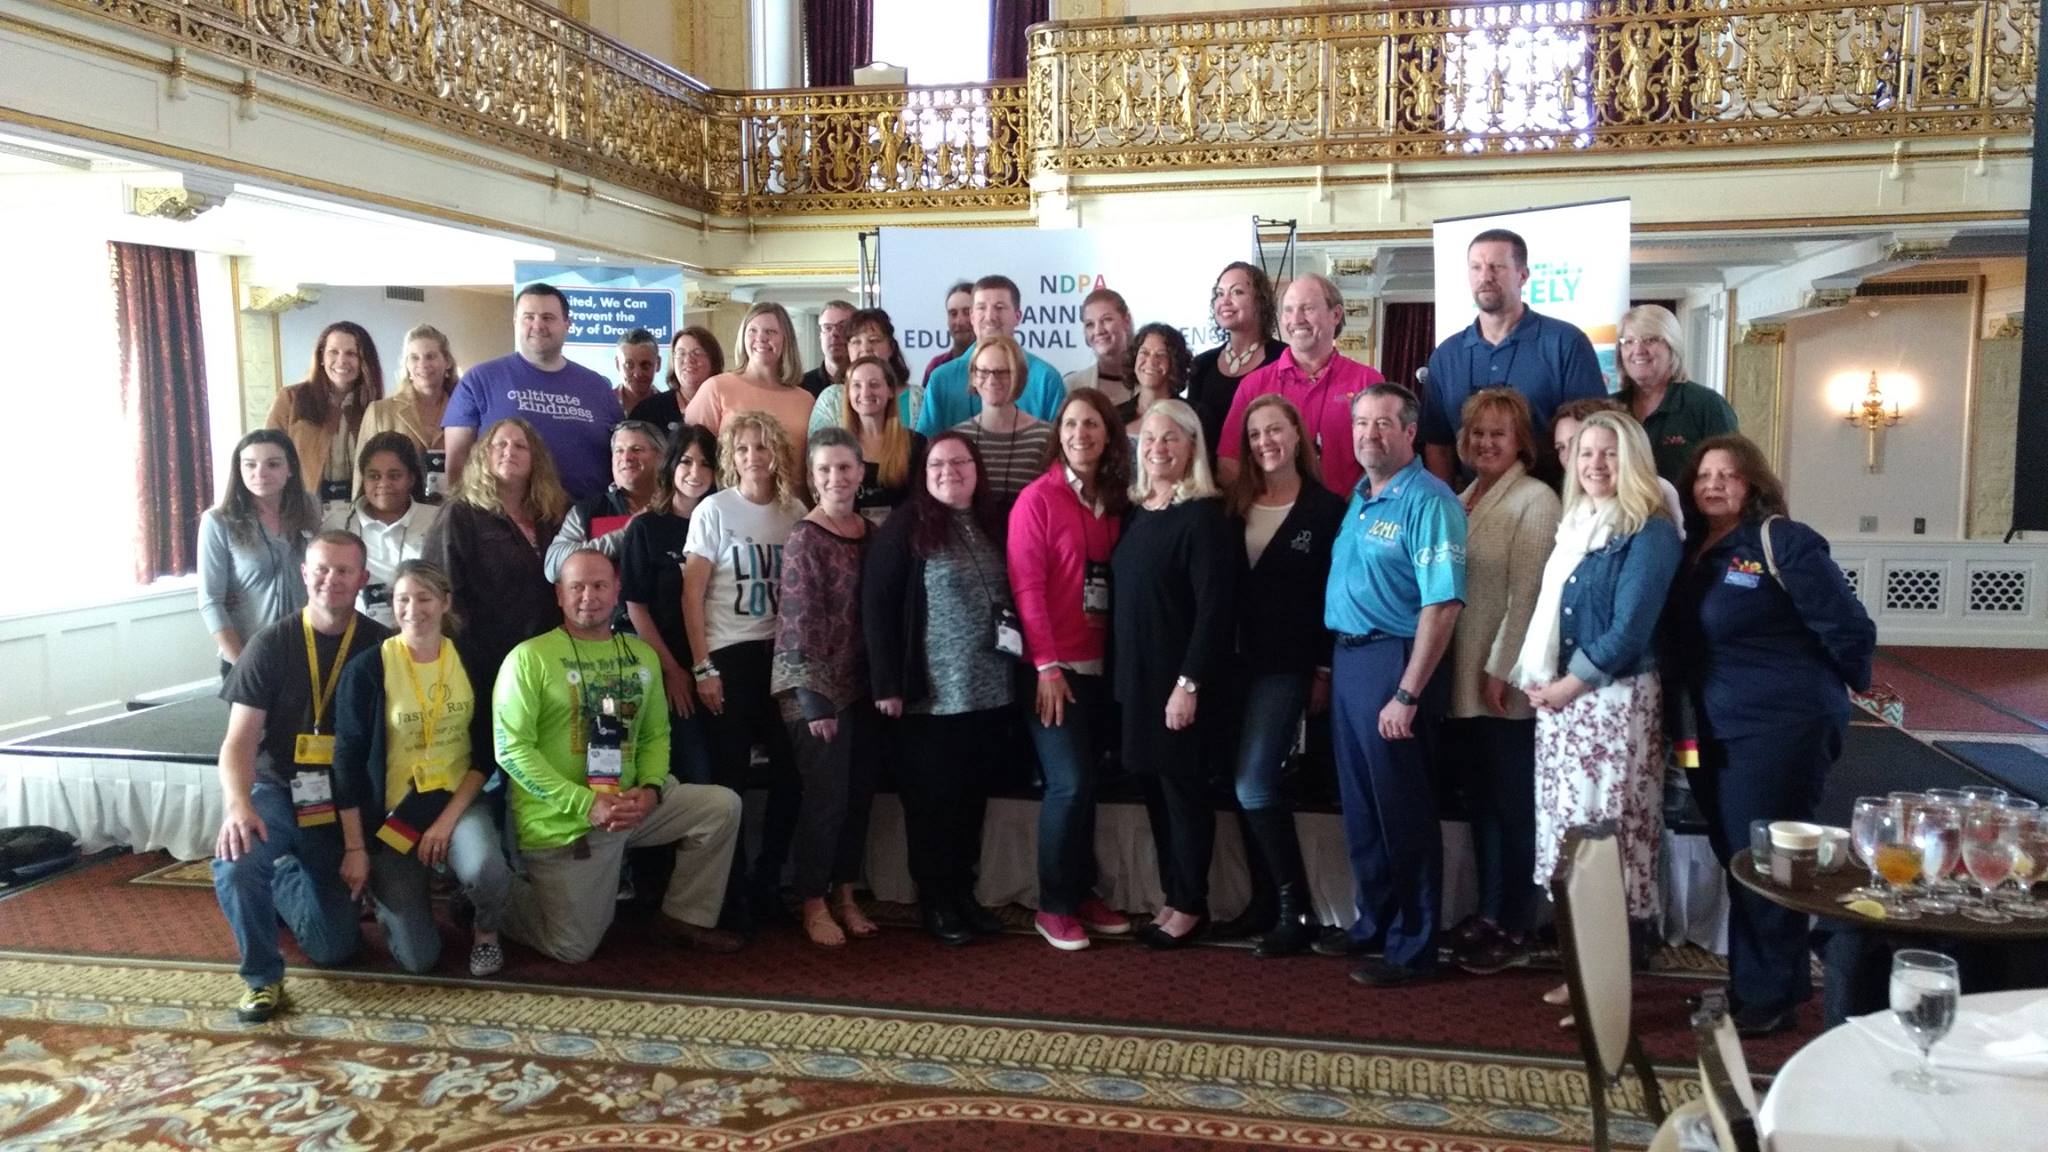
x,y
1578,269
1164,271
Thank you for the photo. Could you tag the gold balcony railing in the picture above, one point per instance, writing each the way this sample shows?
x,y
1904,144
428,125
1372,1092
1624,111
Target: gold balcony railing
x,y
1411,79
1406,79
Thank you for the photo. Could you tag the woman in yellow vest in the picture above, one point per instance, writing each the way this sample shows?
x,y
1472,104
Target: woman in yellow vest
x,y
405,781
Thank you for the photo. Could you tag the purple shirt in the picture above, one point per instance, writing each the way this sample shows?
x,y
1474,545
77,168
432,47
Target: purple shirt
x,y
1325,407
574,409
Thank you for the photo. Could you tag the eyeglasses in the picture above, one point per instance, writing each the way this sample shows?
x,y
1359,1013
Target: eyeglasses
x,y
936,465
989,373
1640,341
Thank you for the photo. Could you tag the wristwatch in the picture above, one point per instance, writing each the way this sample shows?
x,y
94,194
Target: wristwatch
x,y
1403,696
1186,685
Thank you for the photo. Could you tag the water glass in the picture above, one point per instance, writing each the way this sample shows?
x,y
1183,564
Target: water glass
x,y
1898,859
2032,827
1863,829
1990,847
1985,795
1938,831
1925,992
1760,846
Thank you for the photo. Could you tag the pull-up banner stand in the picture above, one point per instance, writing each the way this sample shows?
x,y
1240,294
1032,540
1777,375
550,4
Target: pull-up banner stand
x,y
2030,471
1164,271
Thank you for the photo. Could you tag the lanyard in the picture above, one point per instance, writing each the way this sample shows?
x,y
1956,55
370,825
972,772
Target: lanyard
x,y
324,695
413,674
620,654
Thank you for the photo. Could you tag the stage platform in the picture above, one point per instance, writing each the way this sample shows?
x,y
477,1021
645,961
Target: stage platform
x,y
147,780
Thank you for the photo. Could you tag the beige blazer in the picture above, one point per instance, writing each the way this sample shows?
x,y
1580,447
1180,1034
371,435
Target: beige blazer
x,y
1508,537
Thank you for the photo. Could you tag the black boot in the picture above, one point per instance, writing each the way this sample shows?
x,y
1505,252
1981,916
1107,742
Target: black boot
x,y
1258,915
1295,927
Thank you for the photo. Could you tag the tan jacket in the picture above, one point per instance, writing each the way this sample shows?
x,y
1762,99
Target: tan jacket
x,y
1508,537
313,441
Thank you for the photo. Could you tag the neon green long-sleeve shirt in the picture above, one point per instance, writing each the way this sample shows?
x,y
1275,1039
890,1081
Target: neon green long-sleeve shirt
x,y
548,689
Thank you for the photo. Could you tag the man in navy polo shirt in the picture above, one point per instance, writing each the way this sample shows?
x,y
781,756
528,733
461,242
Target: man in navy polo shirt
x,y
1509,345
1397,584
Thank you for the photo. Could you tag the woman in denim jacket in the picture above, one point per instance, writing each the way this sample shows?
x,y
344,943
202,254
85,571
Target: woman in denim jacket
x,y
1589,661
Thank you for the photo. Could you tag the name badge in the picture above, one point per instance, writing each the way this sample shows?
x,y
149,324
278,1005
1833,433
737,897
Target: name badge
x,y
312,798
1095,588
1741,579
314,748
334,492
376,595
604,762
436,465
1009,637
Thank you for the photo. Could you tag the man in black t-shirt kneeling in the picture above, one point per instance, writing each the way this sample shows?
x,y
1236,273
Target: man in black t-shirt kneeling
x,y
279,854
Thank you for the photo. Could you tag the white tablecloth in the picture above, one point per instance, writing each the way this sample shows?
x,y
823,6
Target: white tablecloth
x,y
1836,1095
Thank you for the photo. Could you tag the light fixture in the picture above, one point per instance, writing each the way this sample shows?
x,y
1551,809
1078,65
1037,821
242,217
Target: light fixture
x,y
1870,414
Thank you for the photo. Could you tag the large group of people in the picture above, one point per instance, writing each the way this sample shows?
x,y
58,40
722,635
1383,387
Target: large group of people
x,y
805,585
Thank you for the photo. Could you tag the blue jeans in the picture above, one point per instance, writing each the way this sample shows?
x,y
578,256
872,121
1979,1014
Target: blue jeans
x,y
1390,820
399,885
294,876
1069,755
690,758
1273,703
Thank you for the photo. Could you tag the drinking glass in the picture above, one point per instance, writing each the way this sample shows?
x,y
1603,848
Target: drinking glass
x,y
1945,885
1984,794
2032,827
1863,827
1898,859
1925,991
1990,846
1938,830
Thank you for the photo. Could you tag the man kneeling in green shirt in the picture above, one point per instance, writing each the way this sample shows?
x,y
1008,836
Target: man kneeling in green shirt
x,y
582,729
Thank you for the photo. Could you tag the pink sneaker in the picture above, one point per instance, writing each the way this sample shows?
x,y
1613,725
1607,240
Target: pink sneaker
x,y
1062,932
1101,918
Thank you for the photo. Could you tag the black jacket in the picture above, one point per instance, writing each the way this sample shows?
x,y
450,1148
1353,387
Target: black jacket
x,y
892,611
1280,600
1171,592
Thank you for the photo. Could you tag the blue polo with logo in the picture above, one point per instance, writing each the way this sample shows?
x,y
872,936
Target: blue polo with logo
x,y
1397,553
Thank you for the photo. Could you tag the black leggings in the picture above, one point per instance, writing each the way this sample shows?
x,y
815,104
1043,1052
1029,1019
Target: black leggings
x,y
751,717
941,781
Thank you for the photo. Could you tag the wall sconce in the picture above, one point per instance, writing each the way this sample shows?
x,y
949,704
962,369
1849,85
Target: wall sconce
x,y
1871,415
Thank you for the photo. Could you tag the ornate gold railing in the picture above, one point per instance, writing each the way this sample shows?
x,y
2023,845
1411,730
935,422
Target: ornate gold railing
x,y
1426,78
1399,80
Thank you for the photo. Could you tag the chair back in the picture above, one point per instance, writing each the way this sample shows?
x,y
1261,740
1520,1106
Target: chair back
x,y
1725,1085
1592,934
880,75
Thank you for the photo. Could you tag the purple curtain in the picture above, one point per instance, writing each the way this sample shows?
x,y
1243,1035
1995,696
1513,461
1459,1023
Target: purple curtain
x,y
1008,48
163,391
1409,338
839,36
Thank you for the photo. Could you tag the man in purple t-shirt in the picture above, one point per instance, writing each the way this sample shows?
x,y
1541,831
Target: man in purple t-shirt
x,y
572,407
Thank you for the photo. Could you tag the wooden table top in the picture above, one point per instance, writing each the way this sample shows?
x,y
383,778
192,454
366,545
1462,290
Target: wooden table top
x,y
1823,900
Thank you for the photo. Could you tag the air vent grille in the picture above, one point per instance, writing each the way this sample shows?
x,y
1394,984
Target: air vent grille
x,y
1914,288
415,295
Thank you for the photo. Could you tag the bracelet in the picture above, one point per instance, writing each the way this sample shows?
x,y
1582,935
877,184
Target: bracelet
x,y
358,848
705,671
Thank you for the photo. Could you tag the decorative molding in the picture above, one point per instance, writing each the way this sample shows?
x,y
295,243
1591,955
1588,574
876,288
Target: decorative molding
x,y
700,297
1819,298
1918,248
1352,266
2009,327
1763,333
172,202
275,301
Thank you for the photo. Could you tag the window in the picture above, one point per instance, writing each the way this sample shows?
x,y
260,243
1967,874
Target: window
x,y
948,50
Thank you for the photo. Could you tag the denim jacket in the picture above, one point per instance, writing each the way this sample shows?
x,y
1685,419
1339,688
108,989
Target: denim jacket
x,y
1612,602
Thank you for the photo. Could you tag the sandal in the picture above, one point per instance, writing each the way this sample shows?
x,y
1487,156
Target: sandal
x,y
486,959
1562,994
856,921
820,928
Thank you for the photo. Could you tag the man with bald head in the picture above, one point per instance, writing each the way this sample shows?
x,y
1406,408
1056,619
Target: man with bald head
x,y
1320,383
582,730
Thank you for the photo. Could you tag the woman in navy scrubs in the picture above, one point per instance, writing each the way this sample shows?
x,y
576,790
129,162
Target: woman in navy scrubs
x,y
1766,641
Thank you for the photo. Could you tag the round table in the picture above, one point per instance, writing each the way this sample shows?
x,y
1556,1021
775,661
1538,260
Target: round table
x,y
1824,900
1836,1095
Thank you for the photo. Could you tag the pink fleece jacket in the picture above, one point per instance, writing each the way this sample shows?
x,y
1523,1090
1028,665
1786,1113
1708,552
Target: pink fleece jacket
x,y
1052,537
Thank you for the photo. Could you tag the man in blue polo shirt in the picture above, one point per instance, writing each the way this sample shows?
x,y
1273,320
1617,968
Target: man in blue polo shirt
x,y
1509,345
1397,584
947,398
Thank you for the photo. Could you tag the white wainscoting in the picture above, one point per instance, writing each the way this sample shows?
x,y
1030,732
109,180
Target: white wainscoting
x,y
77,664
1961,594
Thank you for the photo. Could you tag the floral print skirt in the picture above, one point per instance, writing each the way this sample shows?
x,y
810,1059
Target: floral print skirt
x,y
1602,758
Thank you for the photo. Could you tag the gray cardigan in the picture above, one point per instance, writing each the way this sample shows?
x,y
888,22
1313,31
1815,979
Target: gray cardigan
x,y
1508,537
247,586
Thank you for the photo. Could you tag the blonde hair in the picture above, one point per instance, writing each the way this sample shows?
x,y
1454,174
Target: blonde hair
x,y
1199,483
428,332
1637,497
1656,320
892,467
771,433
546,500
791,371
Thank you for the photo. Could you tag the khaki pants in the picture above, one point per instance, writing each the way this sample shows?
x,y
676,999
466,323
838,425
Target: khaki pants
x,y
563,905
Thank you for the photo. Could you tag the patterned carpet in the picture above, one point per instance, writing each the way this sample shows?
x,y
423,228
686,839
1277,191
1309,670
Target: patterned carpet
x,y
130,1055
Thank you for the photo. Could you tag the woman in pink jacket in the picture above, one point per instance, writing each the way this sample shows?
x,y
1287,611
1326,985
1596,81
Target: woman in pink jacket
x,y
1062,531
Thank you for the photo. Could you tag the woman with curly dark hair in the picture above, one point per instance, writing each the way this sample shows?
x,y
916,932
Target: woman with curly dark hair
x,y
1157,367
1247,312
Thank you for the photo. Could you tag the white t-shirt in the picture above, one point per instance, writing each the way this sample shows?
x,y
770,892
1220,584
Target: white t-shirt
x,y
743,540
1260,523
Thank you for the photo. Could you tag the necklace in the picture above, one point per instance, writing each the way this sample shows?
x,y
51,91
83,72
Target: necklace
x,y
1232,359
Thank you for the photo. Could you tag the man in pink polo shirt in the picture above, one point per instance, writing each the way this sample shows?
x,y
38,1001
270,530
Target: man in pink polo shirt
x,y
1320,383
